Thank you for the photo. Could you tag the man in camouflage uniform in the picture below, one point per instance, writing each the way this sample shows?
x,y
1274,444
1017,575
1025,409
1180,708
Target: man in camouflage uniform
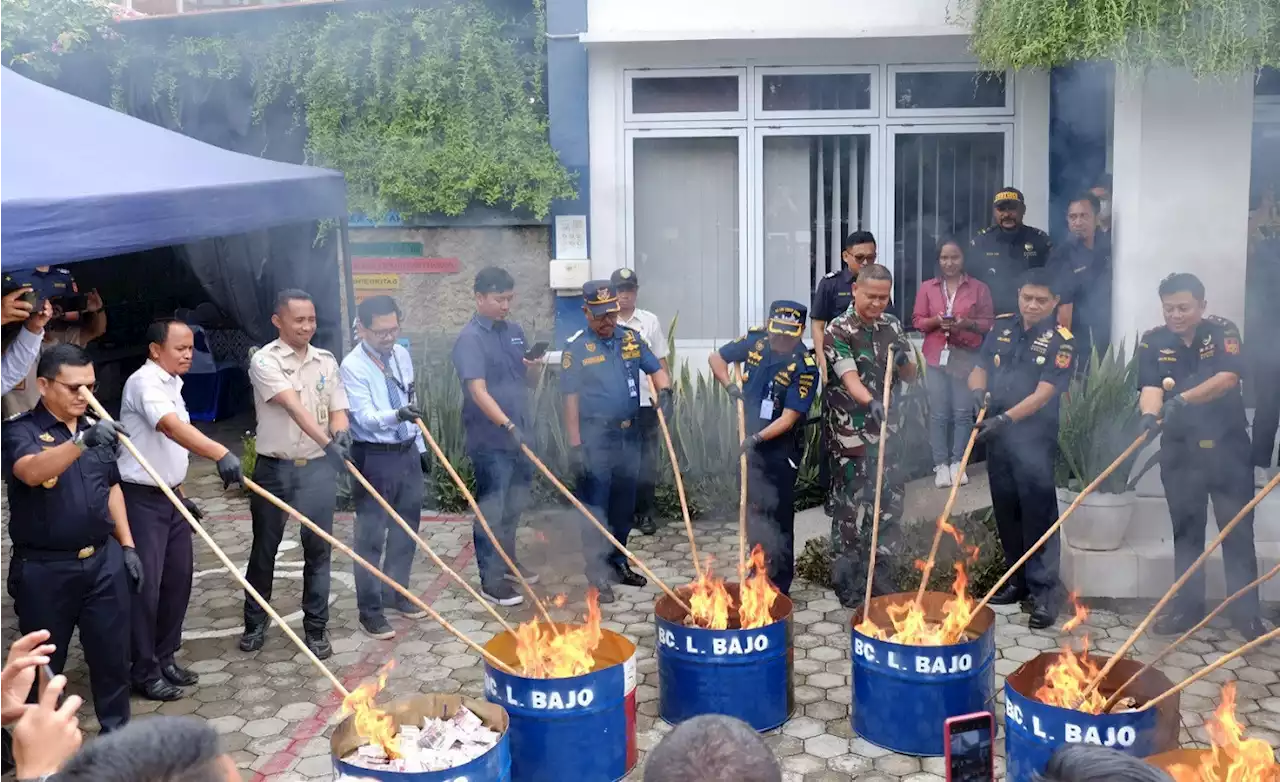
x,y
856,345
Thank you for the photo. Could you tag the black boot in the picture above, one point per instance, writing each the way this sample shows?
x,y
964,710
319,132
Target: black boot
x,y
1177,622
179,676
1008,595
646,525
624,575
253,638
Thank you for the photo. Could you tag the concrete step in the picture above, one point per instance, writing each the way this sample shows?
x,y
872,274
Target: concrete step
x,y
1145,570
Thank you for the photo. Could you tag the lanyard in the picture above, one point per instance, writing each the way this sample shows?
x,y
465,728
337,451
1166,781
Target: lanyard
x,y
387,372
950,297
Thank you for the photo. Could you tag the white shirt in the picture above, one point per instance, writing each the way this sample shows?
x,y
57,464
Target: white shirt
x,y
149,395
20,358
650,329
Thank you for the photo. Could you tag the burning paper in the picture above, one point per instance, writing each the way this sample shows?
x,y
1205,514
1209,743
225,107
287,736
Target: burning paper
x,y
911,627
438,745
544,654
712,608
1067,677
1233,758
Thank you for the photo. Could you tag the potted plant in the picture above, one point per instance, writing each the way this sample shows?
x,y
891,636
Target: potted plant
x,y
1099,419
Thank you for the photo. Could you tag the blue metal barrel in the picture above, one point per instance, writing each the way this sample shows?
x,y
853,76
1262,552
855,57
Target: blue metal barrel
x,y
581,728
741,673
493,766
903,695
1034,730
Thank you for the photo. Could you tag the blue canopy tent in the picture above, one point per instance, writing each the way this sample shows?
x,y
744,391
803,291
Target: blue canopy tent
x,y
81,181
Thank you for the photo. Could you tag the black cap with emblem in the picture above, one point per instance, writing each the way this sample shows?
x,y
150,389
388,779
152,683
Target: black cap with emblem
x,y
1009,196
786,318
600,297
624,278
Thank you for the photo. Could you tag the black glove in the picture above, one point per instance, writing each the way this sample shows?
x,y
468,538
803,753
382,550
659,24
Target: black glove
x,y
575,459
104,433
666,402
229,470
990,425
192,508
133,566
876,412
751,442
734,391
514,433
425,459
337,455
1150,425
980,400
902,354
1172,409
343,438
408,413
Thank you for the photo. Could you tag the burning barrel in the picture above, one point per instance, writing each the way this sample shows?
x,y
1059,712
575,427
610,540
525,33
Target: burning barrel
x,y
1034,729
453,717
740,673
574,727
904,693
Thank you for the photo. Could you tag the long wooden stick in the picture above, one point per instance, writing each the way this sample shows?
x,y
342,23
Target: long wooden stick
x,y
675,468
875,513
1111,702
383,577
603,530
1221,661
742,476
217,550
484,524
1053,528
1177,585
422,544
946,509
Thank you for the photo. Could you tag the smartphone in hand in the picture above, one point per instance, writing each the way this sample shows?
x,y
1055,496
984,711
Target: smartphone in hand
x,y
970,747
536,352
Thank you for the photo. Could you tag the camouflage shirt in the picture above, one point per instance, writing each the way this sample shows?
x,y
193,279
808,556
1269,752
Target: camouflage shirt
x,y
850,342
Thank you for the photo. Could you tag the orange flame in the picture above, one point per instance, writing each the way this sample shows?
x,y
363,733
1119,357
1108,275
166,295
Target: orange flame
x,y
912,627
373,725
1067,677
758,593
709,601
559,600
545,655
1233,758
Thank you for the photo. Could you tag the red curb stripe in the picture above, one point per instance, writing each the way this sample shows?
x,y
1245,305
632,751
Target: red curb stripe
x,y
378,653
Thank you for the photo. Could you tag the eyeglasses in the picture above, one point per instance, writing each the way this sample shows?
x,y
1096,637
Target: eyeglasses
x,y
861,258
386,333
75,387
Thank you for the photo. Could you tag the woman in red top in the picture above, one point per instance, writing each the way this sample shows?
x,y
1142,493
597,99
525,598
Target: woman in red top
x,y
954,311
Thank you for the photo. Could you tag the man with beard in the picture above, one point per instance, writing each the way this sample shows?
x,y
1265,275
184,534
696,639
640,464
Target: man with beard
x,y
857,345
1024,367
779,378
1003,251
1189,374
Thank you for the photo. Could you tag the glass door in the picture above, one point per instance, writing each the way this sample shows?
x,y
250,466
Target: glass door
x,y
816,186
943,178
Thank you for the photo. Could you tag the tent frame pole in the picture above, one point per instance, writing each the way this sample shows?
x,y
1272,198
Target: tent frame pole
x,y
349,282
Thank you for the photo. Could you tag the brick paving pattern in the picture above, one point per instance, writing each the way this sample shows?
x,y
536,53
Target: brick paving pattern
x,y
275,712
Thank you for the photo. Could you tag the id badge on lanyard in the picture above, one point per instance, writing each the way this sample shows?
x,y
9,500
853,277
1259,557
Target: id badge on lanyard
x,y
766,405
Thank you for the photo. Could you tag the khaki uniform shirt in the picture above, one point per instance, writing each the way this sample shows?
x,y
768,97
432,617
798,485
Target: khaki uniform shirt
x,y
275,368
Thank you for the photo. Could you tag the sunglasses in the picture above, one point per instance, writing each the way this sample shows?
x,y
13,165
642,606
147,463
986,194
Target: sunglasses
x,y
75,387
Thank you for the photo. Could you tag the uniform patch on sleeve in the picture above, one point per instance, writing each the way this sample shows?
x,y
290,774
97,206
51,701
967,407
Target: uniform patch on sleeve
x,y
1232,345
566,360
1063,359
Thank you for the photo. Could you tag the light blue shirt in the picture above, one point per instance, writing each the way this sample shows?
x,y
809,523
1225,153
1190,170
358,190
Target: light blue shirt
x,y
372,415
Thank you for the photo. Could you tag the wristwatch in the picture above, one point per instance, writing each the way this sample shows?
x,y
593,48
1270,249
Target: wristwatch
x,y
79,441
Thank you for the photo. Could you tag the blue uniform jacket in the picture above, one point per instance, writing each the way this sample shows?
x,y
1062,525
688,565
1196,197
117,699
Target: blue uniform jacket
x,y
605,373
773,381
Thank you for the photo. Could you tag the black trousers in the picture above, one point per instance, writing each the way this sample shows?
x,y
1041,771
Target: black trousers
x,y
163,541
771,513
92,594
396,474
311,488
1266,419
608,488
1020,468
1193,472
650,456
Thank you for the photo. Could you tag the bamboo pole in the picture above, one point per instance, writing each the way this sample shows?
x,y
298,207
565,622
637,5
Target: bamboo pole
x,y
484,524
422,544
946,509
1177,585
1137,443
742,477
875,513
675,468
217,550
603,530
1221,661
383,577
1111,702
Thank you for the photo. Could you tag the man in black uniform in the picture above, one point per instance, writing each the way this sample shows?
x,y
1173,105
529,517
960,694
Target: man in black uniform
x,y
1082,267
1025,365
73,558
835,290
1189,372
781,378
1006,249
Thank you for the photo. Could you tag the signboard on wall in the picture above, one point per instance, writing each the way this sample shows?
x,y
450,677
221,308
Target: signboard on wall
x,y
571,237
397,258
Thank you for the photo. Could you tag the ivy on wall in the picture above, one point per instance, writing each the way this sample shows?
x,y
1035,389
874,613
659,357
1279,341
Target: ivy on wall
x,y
425,110
1207,37
37,33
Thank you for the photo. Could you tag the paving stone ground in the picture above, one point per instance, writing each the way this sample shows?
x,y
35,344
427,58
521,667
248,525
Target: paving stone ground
x,y
275,712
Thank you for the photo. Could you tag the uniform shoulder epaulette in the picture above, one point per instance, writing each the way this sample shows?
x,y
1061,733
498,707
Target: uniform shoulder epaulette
x,y
885,317
1038,232
809,361
756,330
1220,321
324,352
1065,332
830,275
1006,315
17,416
576,334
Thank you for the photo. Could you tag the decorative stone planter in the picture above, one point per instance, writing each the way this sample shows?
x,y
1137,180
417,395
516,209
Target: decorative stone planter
x,y
1100,522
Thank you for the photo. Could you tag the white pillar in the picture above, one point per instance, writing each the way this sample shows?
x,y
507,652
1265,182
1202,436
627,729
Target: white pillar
x,y
1182,153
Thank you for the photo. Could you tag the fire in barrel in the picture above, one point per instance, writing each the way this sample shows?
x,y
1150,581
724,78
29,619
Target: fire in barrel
x,y
731,654
572,705
1232,758
425,738
1043,708
918,662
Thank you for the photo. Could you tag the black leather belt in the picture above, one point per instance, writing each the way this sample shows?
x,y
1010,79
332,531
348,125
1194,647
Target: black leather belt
x,y
294,462
385,447
145,487
58,555
610,423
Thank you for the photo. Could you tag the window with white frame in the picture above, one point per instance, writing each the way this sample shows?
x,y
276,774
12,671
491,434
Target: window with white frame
x,y
934,90
710,93
818,93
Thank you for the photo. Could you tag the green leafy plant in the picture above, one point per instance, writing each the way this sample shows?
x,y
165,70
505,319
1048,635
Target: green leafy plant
x,y
1098,420
36,34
